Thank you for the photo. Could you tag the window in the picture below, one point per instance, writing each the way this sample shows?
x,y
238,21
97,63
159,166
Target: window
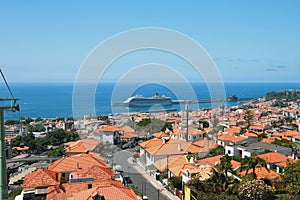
x,y
229,152
98,197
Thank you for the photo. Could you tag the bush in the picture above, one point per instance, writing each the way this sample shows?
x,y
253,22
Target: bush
x,y
255,190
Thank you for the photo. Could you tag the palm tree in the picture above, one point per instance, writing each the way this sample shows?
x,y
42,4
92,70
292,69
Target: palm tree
x,y
248,117
251,163
225,165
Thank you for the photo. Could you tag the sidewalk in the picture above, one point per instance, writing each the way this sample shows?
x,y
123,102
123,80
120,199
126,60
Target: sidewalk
x,y
152,180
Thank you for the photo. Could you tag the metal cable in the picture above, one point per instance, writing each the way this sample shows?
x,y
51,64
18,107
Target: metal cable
x,y
7,84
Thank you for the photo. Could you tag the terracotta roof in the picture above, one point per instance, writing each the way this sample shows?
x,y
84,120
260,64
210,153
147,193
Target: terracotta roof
x,y
286,134
177,170
127,135
160,135
174,147
273,157
155,142
108,192
231,138
194,131
66,190
83,146
109,129
233,130
71,163
212,161
250,134
202,172
171,161
205,145
97,172
257,126
262,172
127,129
40,178
268,140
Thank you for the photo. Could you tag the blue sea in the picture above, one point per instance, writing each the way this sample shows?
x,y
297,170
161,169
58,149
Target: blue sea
x,y
52,100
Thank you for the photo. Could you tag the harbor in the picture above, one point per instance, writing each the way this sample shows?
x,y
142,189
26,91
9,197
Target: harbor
x,y
125,104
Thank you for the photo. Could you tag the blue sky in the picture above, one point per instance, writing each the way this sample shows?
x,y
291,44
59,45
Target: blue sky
x,y
250,41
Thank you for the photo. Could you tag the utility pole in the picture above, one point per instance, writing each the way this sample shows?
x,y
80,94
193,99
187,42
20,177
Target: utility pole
x,y
13,106
3,172
187,122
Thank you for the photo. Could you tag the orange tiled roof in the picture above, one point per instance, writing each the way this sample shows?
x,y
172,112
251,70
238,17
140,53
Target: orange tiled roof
x,y
160,135
71,163
108,192
262,172
231,138
202,172
127,135
172,148
41,177
268,140
205,144
127,129
177,170
171,161
97,172
82,146
257,126
273,157
66,190
250,134
109,129
233,130
212,161
194,131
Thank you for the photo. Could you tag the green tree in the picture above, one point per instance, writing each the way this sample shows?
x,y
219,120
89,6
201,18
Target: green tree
x,y
11,122
217,151
251,163
175,182
248,117
57,152
225,165
291,178
287,143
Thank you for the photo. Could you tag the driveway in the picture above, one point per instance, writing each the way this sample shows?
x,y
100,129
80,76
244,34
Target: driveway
x,y
120,158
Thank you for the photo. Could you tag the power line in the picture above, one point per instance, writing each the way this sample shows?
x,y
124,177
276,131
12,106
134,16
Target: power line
x,y
7,84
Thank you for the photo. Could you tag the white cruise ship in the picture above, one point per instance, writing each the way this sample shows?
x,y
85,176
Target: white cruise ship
x,y
139,101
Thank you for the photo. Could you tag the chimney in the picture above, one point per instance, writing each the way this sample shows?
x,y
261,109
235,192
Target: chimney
x,y
179,147
78,167
163,140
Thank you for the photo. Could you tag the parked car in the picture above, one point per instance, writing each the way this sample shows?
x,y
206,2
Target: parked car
x,y
119,177
129,145
127,180
118,168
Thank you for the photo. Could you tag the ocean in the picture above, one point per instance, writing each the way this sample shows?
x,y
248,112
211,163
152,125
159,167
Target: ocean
x,y
54,100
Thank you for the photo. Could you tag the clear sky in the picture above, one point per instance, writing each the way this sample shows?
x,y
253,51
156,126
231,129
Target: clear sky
x,y
255,41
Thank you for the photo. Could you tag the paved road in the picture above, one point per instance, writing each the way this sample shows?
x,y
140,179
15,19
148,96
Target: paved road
x,y
120,158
